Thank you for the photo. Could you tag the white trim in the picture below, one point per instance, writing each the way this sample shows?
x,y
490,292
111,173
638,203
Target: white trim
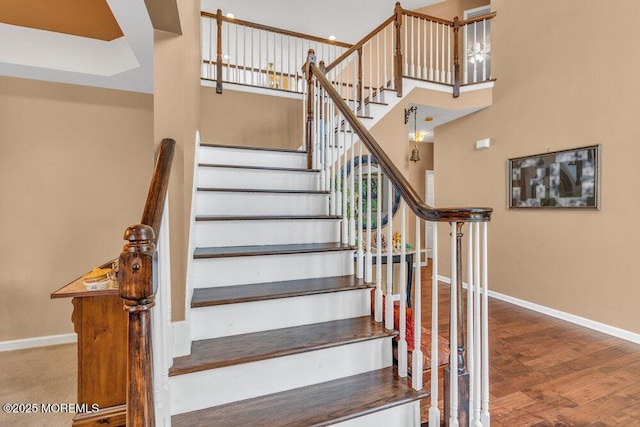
x,y
181,338
477,86
252,89
38,342
572,318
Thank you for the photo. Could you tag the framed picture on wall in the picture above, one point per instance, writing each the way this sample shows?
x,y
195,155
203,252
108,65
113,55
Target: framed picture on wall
x,y
559,179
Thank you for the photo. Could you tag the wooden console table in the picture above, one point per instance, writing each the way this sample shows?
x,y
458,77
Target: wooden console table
x,y
396,259
101,325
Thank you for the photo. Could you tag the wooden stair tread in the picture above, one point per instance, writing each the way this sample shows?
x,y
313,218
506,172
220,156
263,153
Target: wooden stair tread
x,y
260,190
378,103
242,147
264,217
316,405
233,251
237,349
205,297
266,168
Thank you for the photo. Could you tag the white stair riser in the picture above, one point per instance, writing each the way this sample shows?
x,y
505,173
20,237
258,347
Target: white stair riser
x,y
266,232
225,385
243,203
220,177
407,415
213,272
232,319
244,157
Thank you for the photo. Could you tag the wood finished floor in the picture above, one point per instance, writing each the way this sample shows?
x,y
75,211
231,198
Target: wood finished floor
x,y
548,372
544,372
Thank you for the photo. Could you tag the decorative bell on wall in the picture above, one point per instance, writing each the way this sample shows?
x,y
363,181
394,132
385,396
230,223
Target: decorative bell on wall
x,y
415,154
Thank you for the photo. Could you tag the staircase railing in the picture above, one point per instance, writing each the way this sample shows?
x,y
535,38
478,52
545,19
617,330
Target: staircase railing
x,y
413,45
138,276
247,53
337,137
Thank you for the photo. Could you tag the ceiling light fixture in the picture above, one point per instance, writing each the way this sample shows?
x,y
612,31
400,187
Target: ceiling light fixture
x,y
230,15
478,52
332,37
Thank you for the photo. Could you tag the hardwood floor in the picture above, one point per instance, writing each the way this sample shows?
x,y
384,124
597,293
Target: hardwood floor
x,y
548,372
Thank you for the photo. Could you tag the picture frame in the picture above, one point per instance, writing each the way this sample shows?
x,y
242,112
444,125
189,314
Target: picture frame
x,y
567,179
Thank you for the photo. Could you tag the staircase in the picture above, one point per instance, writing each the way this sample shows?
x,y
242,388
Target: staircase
x,y
281,329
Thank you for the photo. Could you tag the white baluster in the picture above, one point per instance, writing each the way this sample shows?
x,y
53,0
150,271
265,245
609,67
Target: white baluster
x,y
449,61
281,85
369,44
425,72
470,335
434,411
360,263
444,74
352,182
228,53
161,325
345,216
402,343
437,53
416,364
210,68
453,333
368,275
370,78
476,375
430,50
378,305
389,297
485,43
406,50
413,40
384,82
485,417
418,52
475,55
354,59
236,58
378,86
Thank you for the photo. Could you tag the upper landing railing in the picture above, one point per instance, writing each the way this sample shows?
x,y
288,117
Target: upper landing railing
x,y
407,44
247,53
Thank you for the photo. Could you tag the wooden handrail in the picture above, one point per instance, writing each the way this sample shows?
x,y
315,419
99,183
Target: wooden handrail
x,y
359,44
276,30
153,208
411,197
478,18
137,290
427,17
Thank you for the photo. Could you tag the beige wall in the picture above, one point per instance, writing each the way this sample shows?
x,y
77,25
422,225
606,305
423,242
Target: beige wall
x,y
75,165
177,115
451,8
248,119
551,94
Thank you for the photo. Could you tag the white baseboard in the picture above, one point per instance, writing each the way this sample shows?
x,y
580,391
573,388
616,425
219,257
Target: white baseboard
x,y
181,338
37,342
581,321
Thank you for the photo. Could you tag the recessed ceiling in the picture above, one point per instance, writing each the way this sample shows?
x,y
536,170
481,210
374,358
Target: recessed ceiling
x,y
84,18
118,56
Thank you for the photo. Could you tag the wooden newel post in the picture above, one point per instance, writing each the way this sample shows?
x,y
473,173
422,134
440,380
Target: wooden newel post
x,y
311,59
219,56
397,57
456,57
137,291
